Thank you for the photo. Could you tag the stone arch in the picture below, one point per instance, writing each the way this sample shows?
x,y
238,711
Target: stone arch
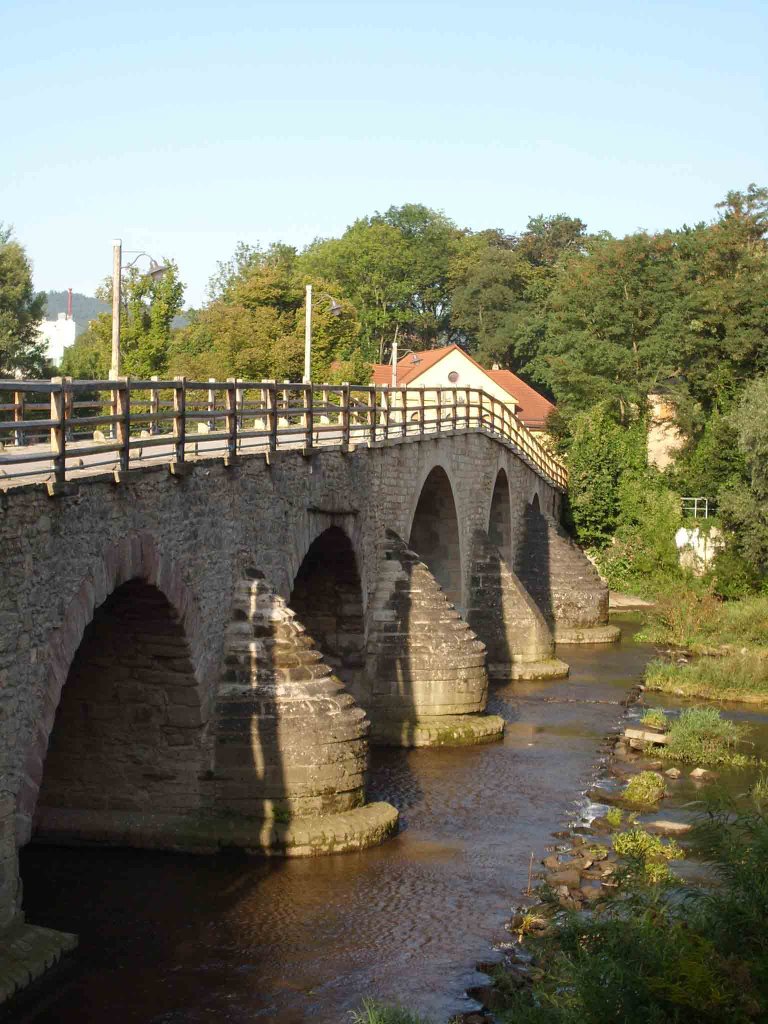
x,y
327,597
134,558
435,533
500,516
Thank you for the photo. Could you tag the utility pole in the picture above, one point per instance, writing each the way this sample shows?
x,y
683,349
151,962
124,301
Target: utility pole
x,y
308,335
117,258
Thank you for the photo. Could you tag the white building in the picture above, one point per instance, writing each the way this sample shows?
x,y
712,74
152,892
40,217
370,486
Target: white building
x,y
58,334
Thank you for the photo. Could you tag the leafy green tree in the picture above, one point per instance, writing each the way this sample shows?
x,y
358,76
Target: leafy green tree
x,y
744,505
21,310
148,308
395,269
253,327
599,452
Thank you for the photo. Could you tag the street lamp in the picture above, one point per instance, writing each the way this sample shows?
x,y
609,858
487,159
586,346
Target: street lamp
x,y
416,360
335,311
156,271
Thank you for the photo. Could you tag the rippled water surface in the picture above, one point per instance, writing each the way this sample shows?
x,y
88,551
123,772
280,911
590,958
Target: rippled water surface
x,y
171,938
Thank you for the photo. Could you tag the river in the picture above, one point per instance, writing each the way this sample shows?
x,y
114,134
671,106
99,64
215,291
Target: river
x,y
176,939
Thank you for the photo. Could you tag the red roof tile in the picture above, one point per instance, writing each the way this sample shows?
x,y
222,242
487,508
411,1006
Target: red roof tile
x,y
533,408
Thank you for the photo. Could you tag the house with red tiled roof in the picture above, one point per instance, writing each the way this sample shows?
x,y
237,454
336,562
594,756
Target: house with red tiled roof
x,y
451,367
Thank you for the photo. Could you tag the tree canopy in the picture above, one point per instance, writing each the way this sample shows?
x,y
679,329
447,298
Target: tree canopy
x,y
21,310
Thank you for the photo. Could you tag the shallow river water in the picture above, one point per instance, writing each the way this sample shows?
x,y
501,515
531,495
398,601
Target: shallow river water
x,y
167,938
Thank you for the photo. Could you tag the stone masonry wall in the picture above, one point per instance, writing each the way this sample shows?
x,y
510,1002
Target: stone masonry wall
x,y
193,537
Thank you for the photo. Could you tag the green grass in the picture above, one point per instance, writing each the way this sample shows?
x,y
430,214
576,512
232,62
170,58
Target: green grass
x,y
697,620
740,677
643,790
759,789
374,1012
613,816
654,718
703,736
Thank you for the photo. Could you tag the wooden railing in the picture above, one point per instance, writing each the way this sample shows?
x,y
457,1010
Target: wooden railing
x,y
123,423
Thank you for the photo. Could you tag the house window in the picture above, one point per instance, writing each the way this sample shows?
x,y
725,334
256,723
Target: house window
x,y
453,376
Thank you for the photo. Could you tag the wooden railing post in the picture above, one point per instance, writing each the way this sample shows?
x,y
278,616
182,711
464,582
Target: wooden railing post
x,y
123,425
272,415
386,403
154,407
19,401
345,414
231,417
179,416
371,395
58,431
421,412
211,403
439,410
308,415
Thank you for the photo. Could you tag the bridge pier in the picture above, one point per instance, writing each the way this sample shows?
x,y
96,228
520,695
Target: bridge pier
x,y
562,581
518,641
425,681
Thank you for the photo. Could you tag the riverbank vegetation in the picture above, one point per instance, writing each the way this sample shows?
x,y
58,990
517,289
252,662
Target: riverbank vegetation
x,y
647,955
735,677
702,735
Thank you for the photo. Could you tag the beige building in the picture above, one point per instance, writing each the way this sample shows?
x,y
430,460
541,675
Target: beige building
x,y
452,367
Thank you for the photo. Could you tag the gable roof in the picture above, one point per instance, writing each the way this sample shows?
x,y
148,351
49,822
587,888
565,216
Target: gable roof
x,y
533,408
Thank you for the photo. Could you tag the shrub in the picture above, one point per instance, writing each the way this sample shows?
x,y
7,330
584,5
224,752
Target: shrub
x,y
374,1012
703,735
647,854
654,718
613,816
644,790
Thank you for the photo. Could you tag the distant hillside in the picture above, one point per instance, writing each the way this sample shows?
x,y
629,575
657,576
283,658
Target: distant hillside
x,y
85,308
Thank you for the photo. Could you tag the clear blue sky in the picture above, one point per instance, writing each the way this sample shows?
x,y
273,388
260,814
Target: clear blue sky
x,y
184,128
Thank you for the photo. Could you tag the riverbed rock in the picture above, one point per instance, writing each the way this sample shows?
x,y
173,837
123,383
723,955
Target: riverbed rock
x,y
569,877
552,862
591,892
668,828
645,736
673,773
703,774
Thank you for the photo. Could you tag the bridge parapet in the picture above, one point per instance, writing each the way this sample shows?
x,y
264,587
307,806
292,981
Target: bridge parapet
x,y
121,424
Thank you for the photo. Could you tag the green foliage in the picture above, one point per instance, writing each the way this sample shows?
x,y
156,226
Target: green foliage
x,y
739,676
614,816
700,735
654,718
759,789
646,855
148,309
599,453
650,956
21,310
744,504
375,1012
253,328
394,268
643,790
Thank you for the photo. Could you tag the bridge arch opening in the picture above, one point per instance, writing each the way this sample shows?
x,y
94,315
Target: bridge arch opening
x,y
127,734
327,597
500,518
435,533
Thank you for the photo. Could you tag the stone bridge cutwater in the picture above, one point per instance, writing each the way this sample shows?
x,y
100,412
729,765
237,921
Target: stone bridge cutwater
x,y
197,659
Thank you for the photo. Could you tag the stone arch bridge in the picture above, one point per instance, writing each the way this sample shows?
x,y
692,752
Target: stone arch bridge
x,y
200,659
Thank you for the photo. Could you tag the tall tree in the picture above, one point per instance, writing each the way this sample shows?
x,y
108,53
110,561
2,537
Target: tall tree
x,y
394,267
21,310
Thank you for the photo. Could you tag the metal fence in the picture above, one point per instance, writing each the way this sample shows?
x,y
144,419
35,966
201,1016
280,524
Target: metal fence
x,y
62,425
698,508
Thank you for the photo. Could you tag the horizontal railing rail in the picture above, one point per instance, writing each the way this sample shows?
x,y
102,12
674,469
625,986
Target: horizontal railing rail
x,y
53,426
